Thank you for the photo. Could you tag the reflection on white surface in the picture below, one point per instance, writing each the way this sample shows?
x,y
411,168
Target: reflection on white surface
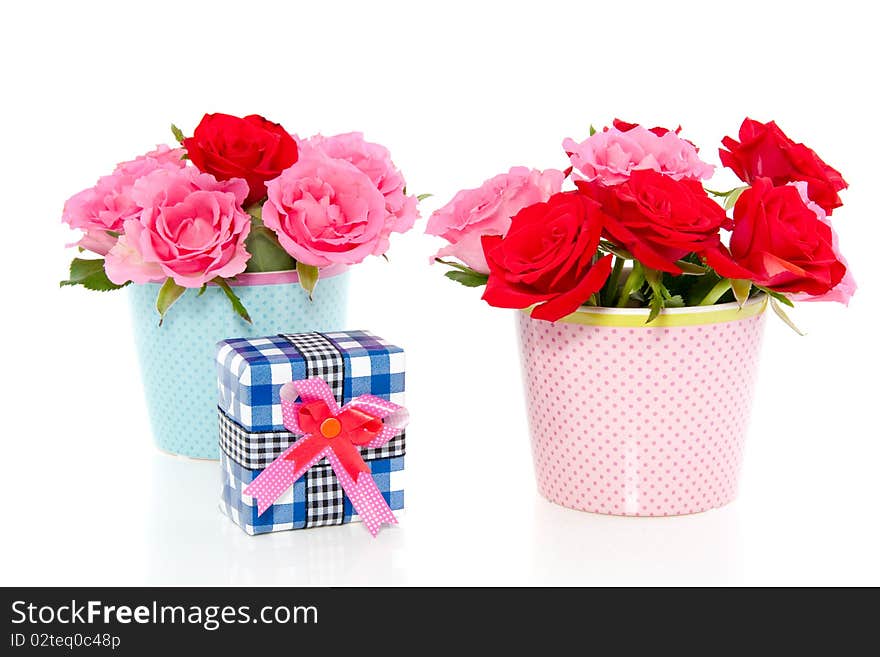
x,y
571,547
192,541
161,525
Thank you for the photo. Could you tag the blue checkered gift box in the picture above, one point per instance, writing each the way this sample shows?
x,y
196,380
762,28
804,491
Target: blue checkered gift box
x,y
250,373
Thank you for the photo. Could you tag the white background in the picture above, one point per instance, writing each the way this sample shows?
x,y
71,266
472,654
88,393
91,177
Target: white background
x,y
459,92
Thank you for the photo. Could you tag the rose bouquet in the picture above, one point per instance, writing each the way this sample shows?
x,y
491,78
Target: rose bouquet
x,y
642,297
637,227
239,195
241,212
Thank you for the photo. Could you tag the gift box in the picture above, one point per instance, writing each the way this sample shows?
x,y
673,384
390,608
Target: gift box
x,y
251,373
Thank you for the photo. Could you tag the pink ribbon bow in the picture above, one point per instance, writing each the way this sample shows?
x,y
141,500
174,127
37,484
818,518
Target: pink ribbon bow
x,y
335,433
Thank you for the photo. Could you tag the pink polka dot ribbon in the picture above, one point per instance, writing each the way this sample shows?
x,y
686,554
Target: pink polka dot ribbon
x,y
308,408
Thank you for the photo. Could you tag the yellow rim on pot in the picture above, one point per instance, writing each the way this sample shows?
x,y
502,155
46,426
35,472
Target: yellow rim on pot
x,y
690,316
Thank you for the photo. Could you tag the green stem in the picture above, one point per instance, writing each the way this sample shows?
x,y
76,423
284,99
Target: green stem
x,y
256,212
613,282
716,292
237,305
633,282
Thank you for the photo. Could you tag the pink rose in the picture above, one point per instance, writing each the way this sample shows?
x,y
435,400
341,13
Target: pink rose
x,y
191,227
326,211
843,291
124,263
375,161
609,157
487,210
107,205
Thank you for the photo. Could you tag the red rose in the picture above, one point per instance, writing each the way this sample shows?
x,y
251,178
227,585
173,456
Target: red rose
x,y
657,218
251,148
626,126
764,150
547,257
779,243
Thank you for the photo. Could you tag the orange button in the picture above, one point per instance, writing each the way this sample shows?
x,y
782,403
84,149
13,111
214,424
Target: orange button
x,y
330,427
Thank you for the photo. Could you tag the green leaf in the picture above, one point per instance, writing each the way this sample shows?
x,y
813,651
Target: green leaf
x,y
464,274
262,243
701,287
654,279
237,305
267,254
178,133
457,265
82,269
784,317
202,290
168,294
715,294
468,279
714,192
676,301
733,196
693,272
741,289
308,277
656,307
691,269
100,283
632,285
782,299
620,252
608,293
422,197
730,196
659,293
592,130
90,274
779,296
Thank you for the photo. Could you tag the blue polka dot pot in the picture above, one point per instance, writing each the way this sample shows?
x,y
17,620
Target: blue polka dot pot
x,y
177,358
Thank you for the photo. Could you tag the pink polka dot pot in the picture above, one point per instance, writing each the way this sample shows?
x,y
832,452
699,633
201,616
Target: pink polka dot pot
x,y
641,420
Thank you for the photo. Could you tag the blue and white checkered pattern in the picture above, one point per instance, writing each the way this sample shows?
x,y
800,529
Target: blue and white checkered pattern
x,y
372,366
251,373
294,509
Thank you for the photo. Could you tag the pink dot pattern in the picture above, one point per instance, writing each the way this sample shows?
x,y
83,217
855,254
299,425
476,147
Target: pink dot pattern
x,y
639,421
280,475
366,498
